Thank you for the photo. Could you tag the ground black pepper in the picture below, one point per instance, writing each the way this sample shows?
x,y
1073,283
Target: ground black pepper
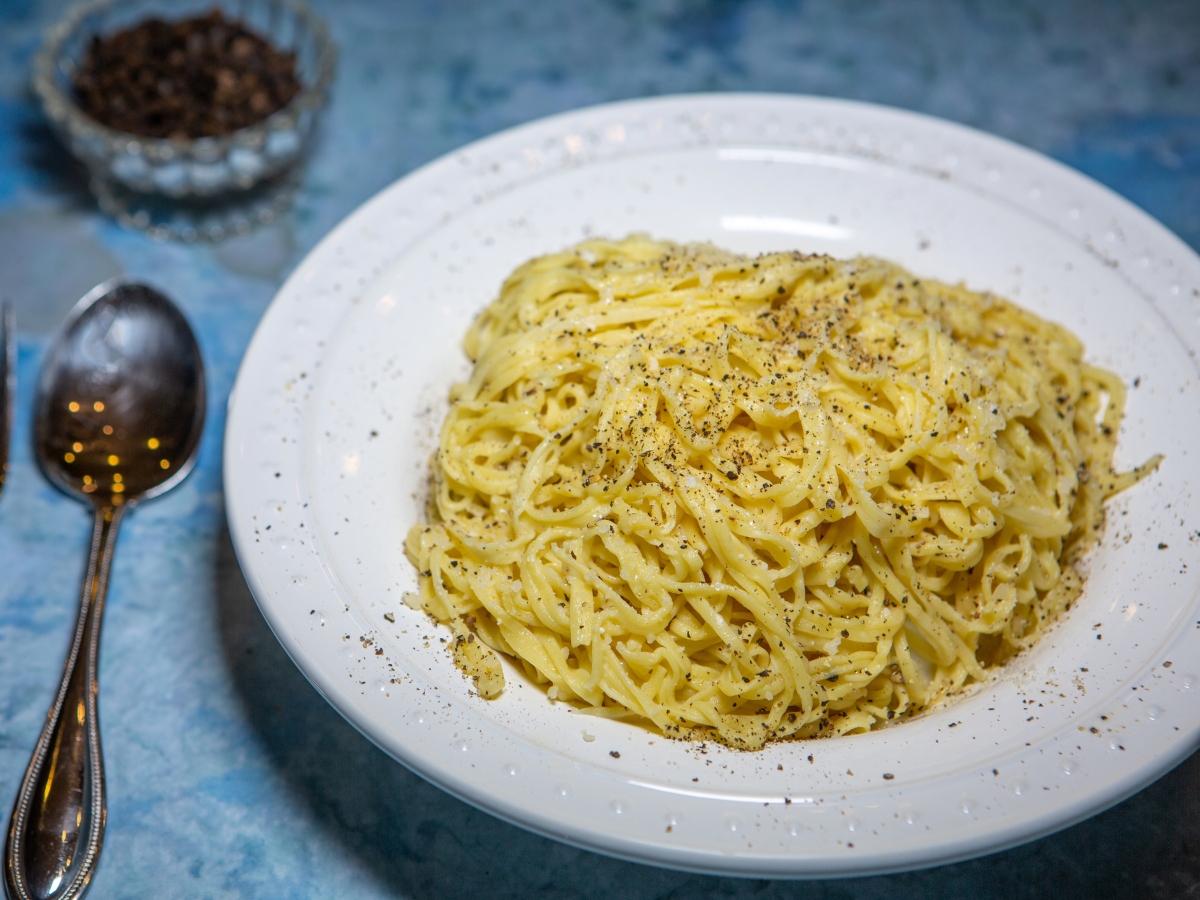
x,y
197,77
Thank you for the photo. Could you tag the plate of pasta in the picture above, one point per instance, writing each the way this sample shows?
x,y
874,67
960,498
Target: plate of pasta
x,y
747,484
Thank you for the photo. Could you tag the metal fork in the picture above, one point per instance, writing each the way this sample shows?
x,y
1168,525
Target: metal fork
x,y
8,384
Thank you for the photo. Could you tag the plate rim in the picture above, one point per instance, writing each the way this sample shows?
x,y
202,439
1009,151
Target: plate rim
x,y
1083,805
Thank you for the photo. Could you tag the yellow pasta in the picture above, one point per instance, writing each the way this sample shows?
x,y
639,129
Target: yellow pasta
x,y
757,498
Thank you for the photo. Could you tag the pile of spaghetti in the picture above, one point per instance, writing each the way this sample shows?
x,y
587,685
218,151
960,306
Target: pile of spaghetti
x,y
753,498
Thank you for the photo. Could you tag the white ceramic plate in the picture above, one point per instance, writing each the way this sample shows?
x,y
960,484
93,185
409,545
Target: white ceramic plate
x,y
343,389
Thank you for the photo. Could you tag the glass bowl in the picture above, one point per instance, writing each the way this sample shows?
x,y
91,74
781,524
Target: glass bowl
x,y
124,165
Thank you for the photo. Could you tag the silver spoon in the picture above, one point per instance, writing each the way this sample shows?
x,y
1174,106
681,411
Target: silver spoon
x,y
118,416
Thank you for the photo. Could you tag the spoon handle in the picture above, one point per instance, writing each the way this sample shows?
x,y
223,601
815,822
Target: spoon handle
x,y
57,824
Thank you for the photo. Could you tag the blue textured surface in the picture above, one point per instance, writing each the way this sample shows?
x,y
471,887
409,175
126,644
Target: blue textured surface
x,y
229,776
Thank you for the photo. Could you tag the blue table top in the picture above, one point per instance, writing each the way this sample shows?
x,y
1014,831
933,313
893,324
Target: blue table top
x,y
228,775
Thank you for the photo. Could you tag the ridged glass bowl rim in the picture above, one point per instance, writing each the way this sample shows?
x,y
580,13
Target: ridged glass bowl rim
x,y
60,105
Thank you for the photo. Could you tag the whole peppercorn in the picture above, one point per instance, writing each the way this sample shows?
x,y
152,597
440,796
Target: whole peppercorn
x,y
197,77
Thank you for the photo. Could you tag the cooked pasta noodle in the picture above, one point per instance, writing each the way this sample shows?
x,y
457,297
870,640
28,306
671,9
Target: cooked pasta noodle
x,y
755,498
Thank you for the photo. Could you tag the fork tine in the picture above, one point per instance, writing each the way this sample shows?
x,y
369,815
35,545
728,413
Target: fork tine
x,y
8,383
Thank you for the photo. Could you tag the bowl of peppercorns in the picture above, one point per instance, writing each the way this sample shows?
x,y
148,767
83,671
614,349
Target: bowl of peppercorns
x,y
185,101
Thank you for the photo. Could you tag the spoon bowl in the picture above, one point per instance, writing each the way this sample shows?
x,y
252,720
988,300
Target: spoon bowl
x,y
117,419
120,404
